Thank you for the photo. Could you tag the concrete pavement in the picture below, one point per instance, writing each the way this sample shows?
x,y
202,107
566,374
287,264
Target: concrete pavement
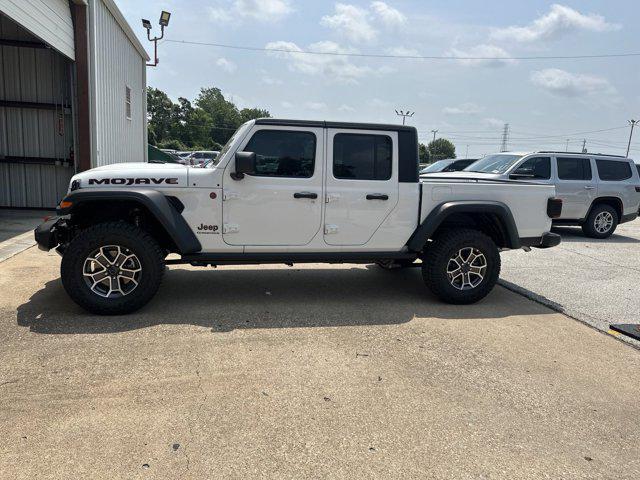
x,y
596,281
311,372
16,230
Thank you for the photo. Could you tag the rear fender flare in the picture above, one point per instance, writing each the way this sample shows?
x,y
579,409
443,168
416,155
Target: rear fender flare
x,y
444,210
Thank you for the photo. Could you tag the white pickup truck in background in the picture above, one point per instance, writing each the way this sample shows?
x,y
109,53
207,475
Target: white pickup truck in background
x,y
288,191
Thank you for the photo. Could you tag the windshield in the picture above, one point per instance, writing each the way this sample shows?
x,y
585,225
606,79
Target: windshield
x,y
214,161
435,167
493,164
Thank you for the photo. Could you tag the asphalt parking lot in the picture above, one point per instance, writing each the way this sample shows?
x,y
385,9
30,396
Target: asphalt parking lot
x,y
595,281
312,372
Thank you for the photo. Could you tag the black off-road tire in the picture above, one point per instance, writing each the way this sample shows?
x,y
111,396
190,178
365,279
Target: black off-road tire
x,y
445,247
590,227
125,235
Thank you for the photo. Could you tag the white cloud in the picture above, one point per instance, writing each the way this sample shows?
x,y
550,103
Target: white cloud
x,y
351,21
402,51
493,122
226,65
378,103
566,84
315,106
346,108
490,56
261,10
559,21
271,81
286,104
464,109
337,68
389,16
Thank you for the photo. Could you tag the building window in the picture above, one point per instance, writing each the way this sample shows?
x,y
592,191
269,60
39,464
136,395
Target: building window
x,y
127,102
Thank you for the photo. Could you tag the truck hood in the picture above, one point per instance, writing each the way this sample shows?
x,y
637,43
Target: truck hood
x,y
157,175
463,175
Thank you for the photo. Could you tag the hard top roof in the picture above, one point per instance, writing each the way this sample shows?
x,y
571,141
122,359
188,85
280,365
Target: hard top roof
x,y
330,124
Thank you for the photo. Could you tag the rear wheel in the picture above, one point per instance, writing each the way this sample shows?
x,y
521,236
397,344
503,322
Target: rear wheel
x,y
461,266
112,268
601,222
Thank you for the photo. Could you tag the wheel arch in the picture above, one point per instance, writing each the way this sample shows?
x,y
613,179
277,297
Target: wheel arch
x,y
163,213
492,218
613,202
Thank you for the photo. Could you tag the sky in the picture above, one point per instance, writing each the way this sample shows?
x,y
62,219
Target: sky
x,y
546,102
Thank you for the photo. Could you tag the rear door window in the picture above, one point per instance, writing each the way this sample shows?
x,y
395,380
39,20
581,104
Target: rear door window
x,y
362,156
612,170
574,168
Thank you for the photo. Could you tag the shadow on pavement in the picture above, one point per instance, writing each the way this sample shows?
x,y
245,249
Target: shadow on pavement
x,y
575,235
224,300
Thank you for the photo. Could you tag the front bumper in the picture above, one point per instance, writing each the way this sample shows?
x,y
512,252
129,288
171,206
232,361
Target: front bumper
x,y
46,234
547,240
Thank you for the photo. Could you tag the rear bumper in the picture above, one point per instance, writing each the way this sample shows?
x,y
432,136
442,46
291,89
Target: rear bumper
x,y
46,234
547,240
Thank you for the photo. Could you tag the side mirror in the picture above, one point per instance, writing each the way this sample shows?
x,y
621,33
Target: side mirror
x,y
245,165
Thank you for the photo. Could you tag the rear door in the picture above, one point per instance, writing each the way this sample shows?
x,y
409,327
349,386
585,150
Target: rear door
x,y
576,186
617,180
361,184
281,204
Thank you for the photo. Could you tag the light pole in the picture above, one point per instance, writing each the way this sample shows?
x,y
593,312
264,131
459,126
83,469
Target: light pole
x,y
404,115
633,123
434,134
164,22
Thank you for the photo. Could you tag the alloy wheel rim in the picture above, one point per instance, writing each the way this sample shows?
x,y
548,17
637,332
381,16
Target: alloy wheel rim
x,y
112,271
467,268
603,222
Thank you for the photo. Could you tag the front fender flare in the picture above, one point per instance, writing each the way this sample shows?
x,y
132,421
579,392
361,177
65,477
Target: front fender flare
x,y
441,212
155,202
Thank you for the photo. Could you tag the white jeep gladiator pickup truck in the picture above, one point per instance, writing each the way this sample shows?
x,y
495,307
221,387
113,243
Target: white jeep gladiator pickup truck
x,y
287,191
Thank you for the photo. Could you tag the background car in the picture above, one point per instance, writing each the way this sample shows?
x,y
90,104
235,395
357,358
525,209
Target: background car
x,y
201,157
448,165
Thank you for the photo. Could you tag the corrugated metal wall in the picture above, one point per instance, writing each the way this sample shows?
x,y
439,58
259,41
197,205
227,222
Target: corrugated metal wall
x,y
42,76
116,64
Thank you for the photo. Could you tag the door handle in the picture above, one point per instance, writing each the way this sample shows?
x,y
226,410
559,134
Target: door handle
x,y
377,196
305,195
589,187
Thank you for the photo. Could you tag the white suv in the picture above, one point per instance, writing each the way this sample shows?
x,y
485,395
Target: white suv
x,y
598,191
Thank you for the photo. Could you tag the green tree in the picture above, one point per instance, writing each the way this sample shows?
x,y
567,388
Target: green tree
x,y
423,153
247,114
441,148
159,114
224,114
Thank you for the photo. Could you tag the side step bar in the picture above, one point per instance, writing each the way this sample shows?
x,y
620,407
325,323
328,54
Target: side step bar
x,y
288,258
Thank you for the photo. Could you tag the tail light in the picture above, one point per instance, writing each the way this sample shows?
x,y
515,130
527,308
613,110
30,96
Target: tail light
x,y
554,207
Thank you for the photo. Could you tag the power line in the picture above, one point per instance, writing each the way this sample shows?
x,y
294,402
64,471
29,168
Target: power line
x,y
410,57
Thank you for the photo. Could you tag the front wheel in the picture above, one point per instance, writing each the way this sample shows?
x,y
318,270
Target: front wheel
x,y
461,266
112,268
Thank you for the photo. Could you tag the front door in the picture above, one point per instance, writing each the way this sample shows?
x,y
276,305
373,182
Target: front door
x,y
281,204
576,186
361,185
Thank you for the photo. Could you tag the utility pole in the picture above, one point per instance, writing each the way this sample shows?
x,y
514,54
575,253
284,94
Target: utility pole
x,y
567,149
404,115
633,123
505,138
434,134
584,146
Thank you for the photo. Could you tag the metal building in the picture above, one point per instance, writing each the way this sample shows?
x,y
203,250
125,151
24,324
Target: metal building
x,y
72,95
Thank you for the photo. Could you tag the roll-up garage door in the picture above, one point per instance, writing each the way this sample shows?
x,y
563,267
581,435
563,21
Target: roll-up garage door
x,y
49,20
